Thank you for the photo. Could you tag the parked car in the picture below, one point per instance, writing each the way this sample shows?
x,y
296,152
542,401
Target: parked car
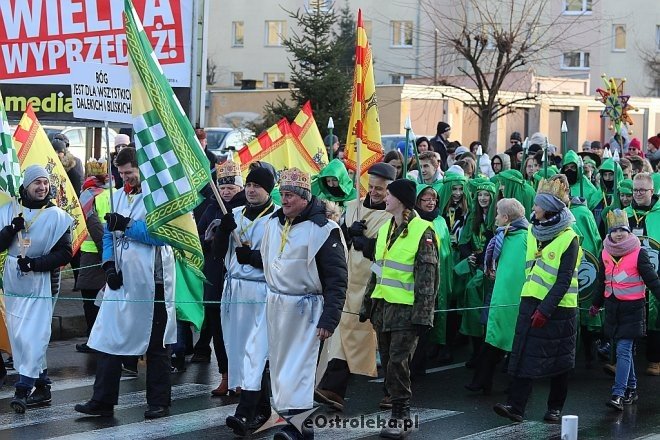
x,y
390,141
220,141
77,138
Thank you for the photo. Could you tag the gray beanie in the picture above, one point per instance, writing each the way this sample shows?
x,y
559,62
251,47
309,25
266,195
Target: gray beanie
x,y
302,192
32,173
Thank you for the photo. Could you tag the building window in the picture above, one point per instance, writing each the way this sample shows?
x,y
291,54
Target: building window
x,y
399,78
578,6
368,24
575,60
237,36
321,5
270,78
619,33
275,32
657,38
236,78
402,33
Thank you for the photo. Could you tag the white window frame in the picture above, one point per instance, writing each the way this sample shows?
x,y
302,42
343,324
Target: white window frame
x,y
399,77
582,59
402,34
310,5
234,81
281,33
234,25
584,10
625,38
270,84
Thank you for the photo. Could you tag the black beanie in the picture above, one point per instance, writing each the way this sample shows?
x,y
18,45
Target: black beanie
x,y
405,190
263,178
443,127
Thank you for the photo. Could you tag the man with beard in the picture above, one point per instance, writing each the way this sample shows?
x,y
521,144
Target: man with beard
x,y
244,306
644,218
570,169
35,234
304,262
352,349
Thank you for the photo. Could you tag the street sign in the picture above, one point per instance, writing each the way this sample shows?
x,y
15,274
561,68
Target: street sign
x,y
101,92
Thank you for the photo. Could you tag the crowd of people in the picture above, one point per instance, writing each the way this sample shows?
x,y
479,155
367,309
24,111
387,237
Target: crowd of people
x,y
309,283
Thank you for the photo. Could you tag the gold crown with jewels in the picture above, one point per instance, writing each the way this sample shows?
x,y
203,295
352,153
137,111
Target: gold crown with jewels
x,y
554,187
228,169
617,218
95,167
295,177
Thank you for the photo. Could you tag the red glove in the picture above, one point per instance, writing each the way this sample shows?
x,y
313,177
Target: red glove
x,y
594,310
538,319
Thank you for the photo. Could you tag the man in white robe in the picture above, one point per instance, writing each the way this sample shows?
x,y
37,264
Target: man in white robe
x,y
244,301
137,314
36,235
304,260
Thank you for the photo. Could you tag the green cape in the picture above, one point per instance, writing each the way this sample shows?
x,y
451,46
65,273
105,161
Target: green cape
x,y
515,187
591,194
337,170
467,234
444,193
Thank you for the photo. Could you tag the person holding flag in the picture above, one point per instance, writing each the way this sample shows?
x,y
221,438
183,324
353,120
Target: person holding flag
x,y
35,233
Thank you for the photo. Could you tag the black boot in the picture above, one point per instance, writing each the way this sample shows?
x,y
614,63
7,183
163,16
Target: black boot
x,y
40,396
399,425
19,402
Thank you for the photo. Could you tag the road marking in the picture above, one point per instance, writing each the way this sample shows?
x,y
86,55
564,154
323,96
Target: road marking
x,y
430,370
63,384
522,431
65,411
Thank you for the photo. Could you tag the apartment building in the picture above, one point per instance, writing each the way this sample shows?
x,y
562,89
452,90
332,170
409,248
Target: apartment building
x,y
597,37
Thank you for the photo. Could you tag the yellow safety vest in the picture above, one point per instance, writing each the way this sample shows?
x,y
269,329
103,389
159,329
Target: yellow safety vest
x,y
102,207
541,270
396,281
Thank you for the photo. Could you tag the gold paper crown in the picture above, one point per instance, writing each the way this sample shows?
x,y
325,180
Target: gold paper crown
x,y
95,167
228,169
295,177
617,218
554,187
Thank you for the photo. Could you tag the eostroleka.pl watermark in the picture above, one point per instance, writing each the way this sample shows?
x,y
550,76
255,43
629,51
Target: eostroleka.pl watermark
x,y
377,421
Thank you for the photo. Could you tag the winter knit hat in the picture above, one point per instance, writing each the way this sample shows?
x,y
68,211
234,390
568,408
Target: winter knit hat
x,y
297,182
655,141
32,173
59,145
263,178
405,190
384,170
443,127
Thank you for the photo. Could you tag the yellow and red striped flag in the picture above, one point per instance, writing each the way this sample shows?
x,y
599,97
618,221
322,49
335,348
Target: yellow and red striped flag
x,y
364,123
307,132
279,147
33,147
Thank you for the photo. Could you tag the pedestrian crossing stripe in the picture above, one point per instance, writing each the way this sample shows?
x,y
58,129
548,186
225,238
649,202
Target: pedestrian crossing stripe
x,y
518,431
63,384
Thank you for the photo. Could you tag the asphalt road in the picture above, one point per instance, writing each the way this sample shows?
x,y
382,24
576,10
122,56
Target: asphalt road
x,y
445,410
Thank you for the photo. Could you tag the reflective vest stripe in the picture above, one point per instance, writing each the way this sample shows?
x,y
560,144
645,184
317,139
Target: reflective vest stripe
x,y
546,267
621,291
633,279
394,265
396,283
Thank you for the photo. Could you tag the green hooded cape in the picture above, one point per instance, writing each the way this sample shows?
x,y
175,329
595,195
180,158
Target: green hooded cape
x,y
337,170
446,273
444,193
515,187
604,195
591,194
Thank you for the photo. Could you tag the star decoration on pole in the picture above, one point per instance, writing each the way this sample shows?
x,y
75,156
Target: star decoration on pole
x,y
616,104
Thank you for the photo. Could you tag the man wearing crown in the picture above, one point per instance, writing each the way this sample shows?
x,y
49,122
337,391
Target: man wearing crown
x,y
304,262
230,186
243,308
644,218
546,330
137,315
35,234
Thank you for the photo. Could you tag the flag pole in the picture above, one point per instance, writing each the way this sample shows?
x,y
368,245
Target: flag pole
x,y
112,203
331,127
358,172
223,208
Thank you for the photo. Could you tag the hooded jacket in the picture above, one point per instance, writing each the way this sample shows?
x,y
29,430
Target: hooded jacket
x,y
591,193
515,187
342,193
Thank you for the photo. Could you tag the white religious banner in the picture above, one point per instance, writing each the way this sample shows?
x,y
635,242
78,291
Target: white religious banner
x,y
101,92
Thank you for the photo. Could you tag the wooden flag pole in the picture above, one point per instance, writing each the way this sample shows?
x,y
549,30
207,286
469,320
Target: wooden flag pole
x,y
358,173
223,208
112,203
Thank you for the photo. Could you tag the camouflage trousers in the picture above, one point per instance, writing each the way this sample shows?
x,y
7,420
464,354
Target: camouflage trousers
x,y
396,349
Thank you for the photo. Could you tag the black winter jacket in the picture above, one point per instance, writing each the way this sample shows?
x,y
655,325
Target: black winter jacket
x,y
549,350
627,319
330,263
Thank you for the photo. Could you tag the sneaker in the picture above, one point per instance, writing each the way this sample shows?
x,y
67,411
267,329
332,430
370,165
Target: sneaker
x,y
615,402
40,396
630,397
178,364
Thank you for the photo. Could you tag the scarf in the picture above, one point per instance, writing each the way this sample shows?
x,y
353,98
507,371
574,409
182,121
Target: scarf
x,y
92,187
622,248
494,247
545,231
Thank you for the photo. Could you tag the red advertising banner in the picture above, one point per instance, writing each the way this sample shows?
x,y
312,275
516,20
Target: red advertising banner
x,y
40,38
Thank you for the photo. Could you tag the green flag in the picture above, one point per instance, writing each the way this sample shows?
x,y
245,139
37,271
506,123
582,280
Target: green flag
x,y
10,168
173,167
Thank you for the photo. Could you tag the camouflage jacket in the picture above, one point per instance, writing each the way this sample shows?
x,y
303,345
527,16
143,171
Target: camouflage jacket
x,y
388,317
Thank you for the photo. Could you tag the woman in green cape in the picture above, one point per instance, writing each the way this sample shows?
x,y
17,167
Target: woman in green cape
x,y
333,183
504,251
474,237
513,186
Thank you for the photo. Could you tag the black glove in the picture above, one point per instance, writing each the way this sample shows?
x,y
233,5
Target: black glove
x,y
114,279
363,318
227,224
243,254
26,264
357,229
421,330
116,222
359,243
18,223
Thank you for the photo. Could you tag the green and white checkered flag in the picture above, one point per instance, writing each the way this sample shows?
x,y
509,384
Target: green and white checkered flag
x,y
10,168
173,166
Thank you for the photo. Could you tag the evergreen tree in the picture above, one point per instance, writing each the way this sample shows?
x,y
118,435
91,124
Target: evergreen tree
x,y
346,38
317,73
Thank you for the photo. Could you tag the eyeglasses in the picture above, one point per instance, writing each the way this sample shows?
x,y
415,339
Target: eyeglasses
x,y
428,200
641,190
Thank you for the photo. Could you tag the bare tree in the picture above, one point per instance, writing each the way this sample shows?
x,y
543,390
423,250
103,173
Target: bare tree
x,y
651,61
486,41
